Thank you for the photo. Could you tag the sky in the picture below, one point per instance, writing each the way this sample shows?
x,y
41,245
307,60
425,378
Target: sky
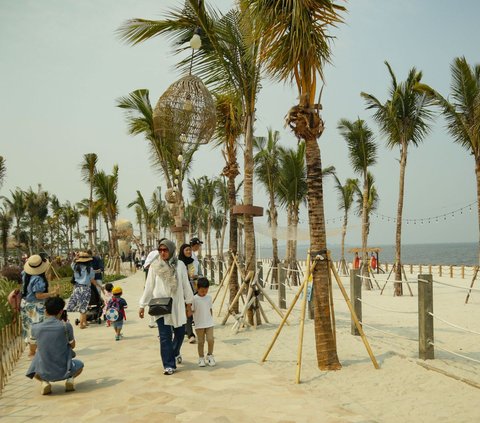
x,y
62,67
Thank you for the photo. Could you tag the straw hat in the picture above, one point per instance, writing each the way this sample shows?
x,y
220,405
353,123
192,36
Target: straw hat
x,y
116,290
35,265
83,257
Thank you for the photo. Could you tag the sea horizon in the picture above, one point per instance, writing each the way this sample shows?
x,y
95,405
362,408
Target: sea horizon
x,y
445,253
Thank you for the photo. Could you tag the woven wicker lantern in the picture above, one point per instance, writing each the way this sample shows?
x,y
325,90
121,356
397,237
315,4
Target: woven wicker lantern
x,y
185,112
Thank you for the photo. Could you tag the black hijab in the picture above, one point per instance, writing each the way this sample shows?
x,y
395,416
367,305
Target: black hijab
x,y
183,257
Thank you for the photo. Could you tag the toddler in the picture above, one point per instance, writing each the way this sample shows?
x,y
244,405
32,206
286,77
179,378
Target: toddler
x,y
107,296
203,318
119,304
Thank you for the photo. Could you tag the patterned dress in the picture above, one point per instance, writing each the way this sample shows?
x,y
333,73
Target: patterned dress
x,y
81,292
32,309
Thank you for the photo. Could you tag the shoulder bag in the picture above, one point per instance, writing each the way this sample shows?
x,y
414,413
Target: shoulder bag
x,y
160,306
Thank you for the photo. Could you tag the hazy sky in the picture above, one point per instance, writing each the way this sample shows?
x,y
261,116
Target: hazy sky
x,y
62,67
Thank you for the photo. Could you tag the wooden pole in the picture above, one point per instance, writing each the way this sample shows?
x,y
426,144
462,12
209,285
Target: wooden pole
x,y
302,326
471,285
356,296
352,312
425,319
282,277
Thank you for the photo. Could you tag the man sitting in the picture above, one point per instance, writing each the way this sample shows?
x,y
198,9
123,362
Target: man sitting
x,y
55,342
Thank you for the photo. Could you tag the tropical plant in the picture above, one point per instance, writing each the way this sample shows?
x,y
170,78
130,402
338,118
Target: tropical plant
x,y
462,112
267,172
88,169
5,224
17,207
295,46
345,196
141,210
362,151
403,119
228,61
3,170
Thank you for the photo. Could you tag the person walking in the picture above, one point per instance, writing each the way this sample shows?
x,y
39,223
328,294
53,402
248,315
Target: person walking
x,y
84,276
196,245
203,318
119,304
55,341
34,293
185,255
167,277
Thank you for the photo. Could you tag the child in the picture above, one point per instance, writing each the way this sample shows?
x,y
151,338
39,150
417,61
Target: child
x,y
203,318
107,295
119,304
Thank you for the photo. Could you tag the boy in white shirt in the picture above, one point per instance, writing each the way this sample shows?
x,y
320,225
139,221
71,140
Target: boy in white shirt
x,y
203,318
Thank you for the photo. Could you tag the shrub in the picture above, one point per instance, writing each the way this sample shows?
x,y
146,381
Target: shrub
x,y
6,313
12,273
112,278
64,271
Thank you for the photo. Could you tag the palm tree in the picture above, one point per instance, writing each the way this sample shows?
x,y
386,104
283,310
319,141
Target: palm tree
x,y
362,151
462,112
292,193
228,61
88,169
5,224
17,207
105,189
295,46
403,118
3,170
267,171
222,211
345,200
164,155
141,205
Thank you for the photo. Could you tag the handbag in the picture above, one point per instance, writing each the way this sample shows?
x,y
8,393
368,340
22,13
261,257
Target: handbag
x,y
160,306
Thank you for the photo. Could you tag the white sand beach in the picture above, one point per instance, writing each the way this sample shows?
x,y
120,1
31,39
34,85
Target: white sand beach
x,y
123,381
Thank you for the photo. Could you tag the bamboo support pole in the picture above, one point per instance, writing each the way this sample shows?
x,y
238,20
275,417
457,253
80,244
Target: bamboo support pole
x,y
302,326
354,316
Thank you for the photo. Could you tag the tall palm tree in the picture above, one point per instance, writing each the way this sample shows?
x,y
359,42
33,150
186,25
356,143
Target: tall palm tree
x,y
17,207
105,189
141,205
403,118
229,59
163,155
292,193
3,170
222,211
295,46
345,195
362,151
5,224
462,113
88,169
267,172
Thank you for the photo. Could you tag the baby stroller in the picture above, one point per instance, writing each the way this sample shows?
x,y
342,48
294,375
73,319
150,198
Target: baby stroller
x,y
95,307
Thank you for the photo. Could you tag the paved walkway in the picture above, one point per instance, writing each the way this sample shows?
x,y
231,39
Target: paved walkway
x,y
124,382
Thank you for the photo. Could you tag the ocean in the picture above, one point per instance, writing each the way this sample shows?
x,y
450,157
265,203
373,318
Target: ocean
x,y
465,253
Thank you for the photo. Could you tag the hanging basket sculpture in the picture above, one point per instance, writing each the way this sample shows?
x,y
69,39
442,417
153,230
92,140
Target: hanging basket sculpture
x,y
185,113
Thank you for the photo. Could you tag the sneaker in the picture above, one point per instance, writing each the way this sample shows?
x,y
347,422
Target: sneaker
x,y
201,362
69,385
168,371
152,325
192,340
117,338
211,360
46,388
179,359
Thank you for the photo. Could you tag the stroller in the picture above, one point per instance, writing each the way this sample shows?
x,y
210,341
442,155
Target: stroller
x,y
95,307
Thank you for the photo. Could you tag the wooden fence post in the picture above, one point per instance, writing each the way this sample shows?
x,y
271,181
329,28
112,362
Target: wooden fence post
x,y
282,279
220,270
451,271
463,271
440,267
425,319
355,298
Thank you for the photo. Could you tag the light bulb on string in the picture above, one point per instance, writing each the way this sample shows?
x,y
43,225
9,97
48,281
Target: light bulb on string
x,y
177,171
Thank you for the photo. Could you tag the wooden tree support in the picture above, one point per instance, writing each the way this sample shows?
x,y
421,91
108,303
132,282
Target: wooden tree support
x,y
475,273
303,289
404,275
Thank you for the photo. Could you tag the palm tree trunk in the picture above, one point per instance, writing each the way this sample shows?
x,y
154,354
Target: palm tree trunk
x,y
90,217
325,342
366,282
222,239
477,174
275,261
398,287
233,239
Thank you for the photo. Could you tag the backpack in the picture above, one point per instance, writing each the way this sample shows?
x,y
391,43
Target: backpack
x,y
113,310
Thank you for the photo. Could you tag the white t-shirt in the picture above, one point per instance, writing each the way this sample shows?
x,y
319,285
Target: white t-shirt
x,y
202,315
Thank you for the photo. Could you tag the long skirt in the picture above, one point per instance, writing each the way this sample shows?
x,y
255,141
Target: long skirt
x,y
31,313
79,299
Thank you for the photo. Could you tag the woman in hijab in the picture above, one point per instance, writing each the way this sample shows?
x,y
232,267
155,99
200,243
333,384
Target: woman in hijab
x,y
34,294
185,255
167,277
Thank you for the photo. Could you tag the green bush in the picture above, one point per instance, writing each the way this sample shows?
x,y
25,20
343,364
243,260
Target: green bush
x,y
12,273
6,312
64,271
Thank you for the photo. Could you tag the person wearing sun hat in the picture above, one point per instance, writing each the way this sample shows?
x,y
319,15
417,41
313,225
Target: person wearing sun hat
x,y
34,293
196,244
84,276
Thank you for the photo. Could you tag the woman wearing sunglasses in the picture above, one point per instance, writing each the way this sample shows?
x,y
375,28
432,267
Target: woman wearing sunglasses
x,y
167,277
